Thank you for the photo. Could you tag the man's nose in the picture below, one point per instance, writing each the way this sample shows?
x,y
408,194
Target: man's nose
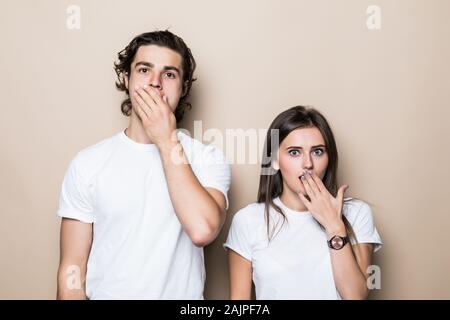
x,y
155,81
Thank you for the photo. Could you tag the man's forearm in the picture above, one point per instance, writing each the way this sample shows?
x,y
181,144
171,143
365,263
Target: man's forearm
x,y
70,286
196,209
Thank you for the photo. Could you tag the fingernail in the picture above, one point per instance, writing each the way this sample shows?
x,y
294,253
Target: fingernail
x,y
302,177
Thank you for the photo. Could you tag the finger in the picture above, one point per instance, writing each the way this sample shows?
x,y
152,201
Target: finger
x,y
319,183
305,201
308,189
340,193
147,98
312,184
142,109
158,98
302,187
155,94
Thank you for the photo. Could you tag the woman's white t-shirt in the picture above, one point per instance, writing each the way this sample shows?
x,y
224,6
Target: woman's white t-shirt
x,y
296,263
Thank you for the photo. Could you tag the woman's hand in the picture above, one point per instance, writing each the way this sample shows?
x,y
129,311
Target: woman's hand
x,y
325,208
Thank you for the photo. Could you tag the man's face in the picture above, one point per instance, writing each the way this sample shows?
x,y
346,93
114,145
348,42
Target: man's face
x,y
159,67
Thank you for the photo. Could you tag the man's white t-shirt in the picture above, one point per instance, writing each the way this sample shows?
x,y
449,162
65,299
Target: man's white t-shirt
x,y
296,263
139,249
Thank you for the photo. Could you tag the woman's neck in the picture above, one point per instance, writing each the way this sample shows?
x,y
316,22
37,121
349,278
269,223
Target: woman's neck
x,y
292,200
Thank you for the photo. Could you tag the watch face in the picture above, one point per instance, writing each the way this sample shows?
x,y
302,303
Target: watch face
x,y
337,242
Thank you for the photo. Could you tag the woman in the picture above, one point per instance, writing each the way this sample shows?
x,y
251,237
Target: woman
x,y
301,239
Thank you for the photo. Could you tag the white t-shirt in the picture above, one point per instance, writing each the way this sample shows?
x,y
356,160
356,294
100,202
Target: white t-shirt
x,y
139,249
296,263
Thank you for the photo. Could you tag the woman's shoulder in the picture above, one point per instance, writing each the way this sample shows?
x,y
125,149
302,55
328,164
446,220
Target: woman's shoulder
x,y
354,203
355,209
251,212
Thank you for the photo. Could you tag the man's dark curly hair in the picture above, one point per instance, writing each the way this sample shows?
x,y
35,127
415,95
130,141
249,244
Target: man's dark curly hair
x,y
163,39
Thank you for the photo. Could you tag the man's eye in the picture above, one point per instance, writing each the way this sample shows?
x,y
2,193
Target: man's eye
x,y
294,153
318,152
143,70
170,75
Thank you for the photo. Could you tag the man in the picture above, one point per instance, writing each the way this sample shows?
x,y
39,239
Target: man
x,y
137,208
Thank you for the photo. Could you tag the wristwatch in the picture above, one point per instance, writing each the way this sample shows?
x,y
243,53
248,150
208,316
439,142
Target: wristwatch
x,y
337,242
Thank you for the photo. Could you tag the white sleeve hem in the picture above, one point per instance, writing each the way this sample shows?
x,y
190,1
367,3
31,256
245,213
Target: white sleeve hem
x,y
245,256
221,190
83,217
376,243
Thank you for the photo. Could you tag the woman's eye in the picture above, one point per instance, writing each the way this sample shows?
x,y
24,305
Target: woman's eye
x,y
318,152
294,153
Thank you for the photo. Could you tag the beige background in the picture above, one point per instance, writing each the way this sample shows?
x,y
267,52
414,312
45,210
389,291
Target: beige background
x,y
386,94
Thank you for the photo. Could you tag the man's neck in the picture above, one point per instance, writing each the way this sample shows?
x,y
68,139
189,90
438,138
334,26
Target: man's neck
x,y
135,131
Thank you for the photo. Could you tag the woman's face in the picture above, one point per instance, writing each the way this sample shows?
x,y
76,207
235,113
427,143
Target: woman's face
x,y
303,149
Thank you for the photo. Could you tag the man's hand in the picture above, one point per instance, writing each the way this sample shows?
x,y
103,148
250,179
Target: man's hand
x,y
157,117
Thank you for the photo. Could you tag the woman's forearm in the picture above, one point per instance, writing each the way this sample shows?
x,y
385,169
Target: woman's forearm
x,y
349,279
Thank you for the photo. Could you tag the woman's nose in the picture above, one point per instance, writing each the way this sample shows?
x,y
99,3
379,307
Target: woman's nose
x,y
307,163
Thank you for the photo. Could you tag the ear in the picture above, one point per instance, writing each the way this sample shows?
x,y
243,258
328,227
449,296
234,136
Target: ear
x,y
125,80
275,165
184,89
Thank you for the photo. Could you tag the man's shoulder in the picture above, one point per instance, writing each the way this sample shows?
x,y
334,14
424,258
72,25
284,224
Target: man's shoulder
x,y
198,152
90,155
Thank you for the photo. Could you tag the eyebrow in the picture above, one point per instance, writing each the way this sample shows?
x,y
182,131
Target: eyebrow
x,y
313,147
151,65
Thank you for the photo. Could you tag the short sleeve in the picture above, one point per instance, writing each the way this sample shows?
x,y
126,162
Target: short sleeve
x,y
239,237
214,171
75,201
363,225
